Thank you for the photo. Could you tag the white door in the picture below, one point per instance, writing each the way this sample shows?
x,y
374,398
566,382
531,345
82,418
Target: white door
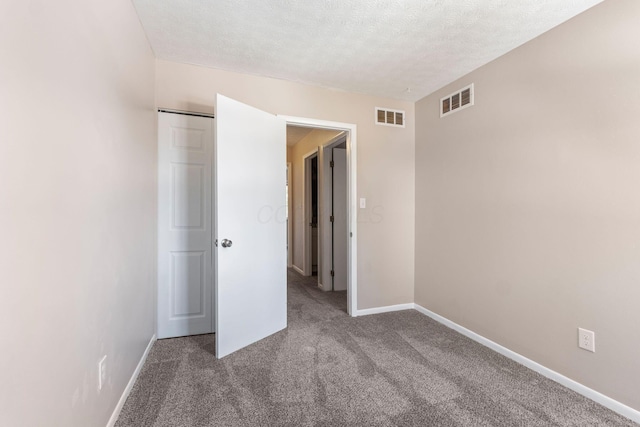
x,y
251,254
185,151
340,213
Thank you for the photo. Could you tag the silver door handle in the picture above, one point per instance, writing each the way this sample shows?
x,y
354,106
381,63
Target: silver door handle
x,y
226,243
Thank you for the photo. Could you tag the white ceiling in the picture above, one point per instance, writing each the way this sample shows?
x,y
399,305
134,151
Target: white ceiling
x,y
376,47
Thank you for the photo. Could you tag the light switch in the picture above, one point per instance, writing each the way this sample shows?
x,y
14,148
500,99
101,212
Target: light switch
x,y
363,203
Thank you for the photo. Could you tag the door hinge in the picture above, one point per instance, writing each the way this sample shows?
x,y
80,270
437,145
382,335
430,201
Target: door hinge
x,y
331,218
331,163
333,273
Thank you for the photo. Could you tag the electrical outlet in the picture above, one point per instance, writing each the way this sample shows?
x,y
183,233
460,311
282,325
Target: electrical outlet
x,y
102,372
587,339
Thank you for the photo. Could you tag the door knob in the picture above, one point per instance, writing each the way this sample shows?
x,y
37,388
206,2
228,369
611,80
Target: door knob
x,y
226,243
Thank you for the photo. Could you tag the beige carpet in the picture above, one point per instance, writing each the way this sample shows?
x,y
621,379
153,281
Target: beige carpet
x,y
327,369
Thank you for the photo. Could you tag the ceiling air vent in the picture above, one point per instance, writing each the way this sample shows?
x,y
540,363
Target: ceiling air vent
x,y
457,101
387,117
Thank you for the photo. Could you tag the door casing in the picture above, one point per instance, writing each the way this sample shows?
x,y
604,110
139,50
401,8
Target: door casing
x,y
289,216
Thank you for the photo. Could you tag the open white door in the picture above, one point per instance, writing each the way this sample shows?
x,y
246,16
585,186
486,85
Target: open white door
x,y
251,252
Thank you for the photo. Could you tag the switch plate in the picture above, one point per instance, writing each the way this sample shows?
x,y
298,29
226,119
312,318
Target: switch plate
x,y
587,339
363,203
102,372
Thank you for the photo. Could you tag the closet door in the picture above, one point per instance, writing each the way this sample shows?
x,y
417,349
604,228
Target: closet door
x,y
185,250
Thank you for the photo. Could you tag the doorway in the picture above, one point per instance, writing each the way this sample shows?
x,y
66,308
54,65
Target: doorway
x,y
303,213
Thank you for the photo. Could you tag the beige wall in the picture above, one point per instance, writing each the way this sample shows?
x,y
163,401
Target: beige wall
x,y
528,203
312,141
385,162
78,206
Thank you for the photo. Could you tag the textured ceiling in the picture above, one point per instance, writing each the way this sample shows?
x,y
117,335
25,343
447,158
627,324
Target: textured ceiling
x,y
403,49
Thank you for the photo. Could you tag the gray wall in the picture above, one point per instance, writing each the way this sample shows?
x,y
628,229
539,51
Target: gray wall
x,y
77,205
528,203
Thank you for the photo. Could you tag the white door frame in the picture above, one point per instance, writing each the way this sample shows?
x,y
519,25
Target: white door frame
x,y
289,217
351,129
307,262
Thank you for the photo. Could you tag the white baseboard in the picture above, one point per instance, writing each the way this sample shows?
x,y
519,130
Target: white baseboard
x,y
132,380
299,270
385,309
598,397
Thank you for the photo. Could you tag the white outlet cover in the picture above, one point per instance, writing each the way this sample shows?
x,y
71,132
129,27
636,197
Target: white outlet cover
x,y
587,339
363,203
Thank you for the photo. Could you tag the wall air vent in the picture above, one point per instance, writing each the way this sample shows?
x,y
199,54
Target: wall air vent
x,y
457,101
387,117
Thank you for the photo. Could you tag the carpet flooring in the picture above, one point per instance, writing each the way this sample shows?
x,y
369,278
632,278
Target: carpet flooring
x,y
327,369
